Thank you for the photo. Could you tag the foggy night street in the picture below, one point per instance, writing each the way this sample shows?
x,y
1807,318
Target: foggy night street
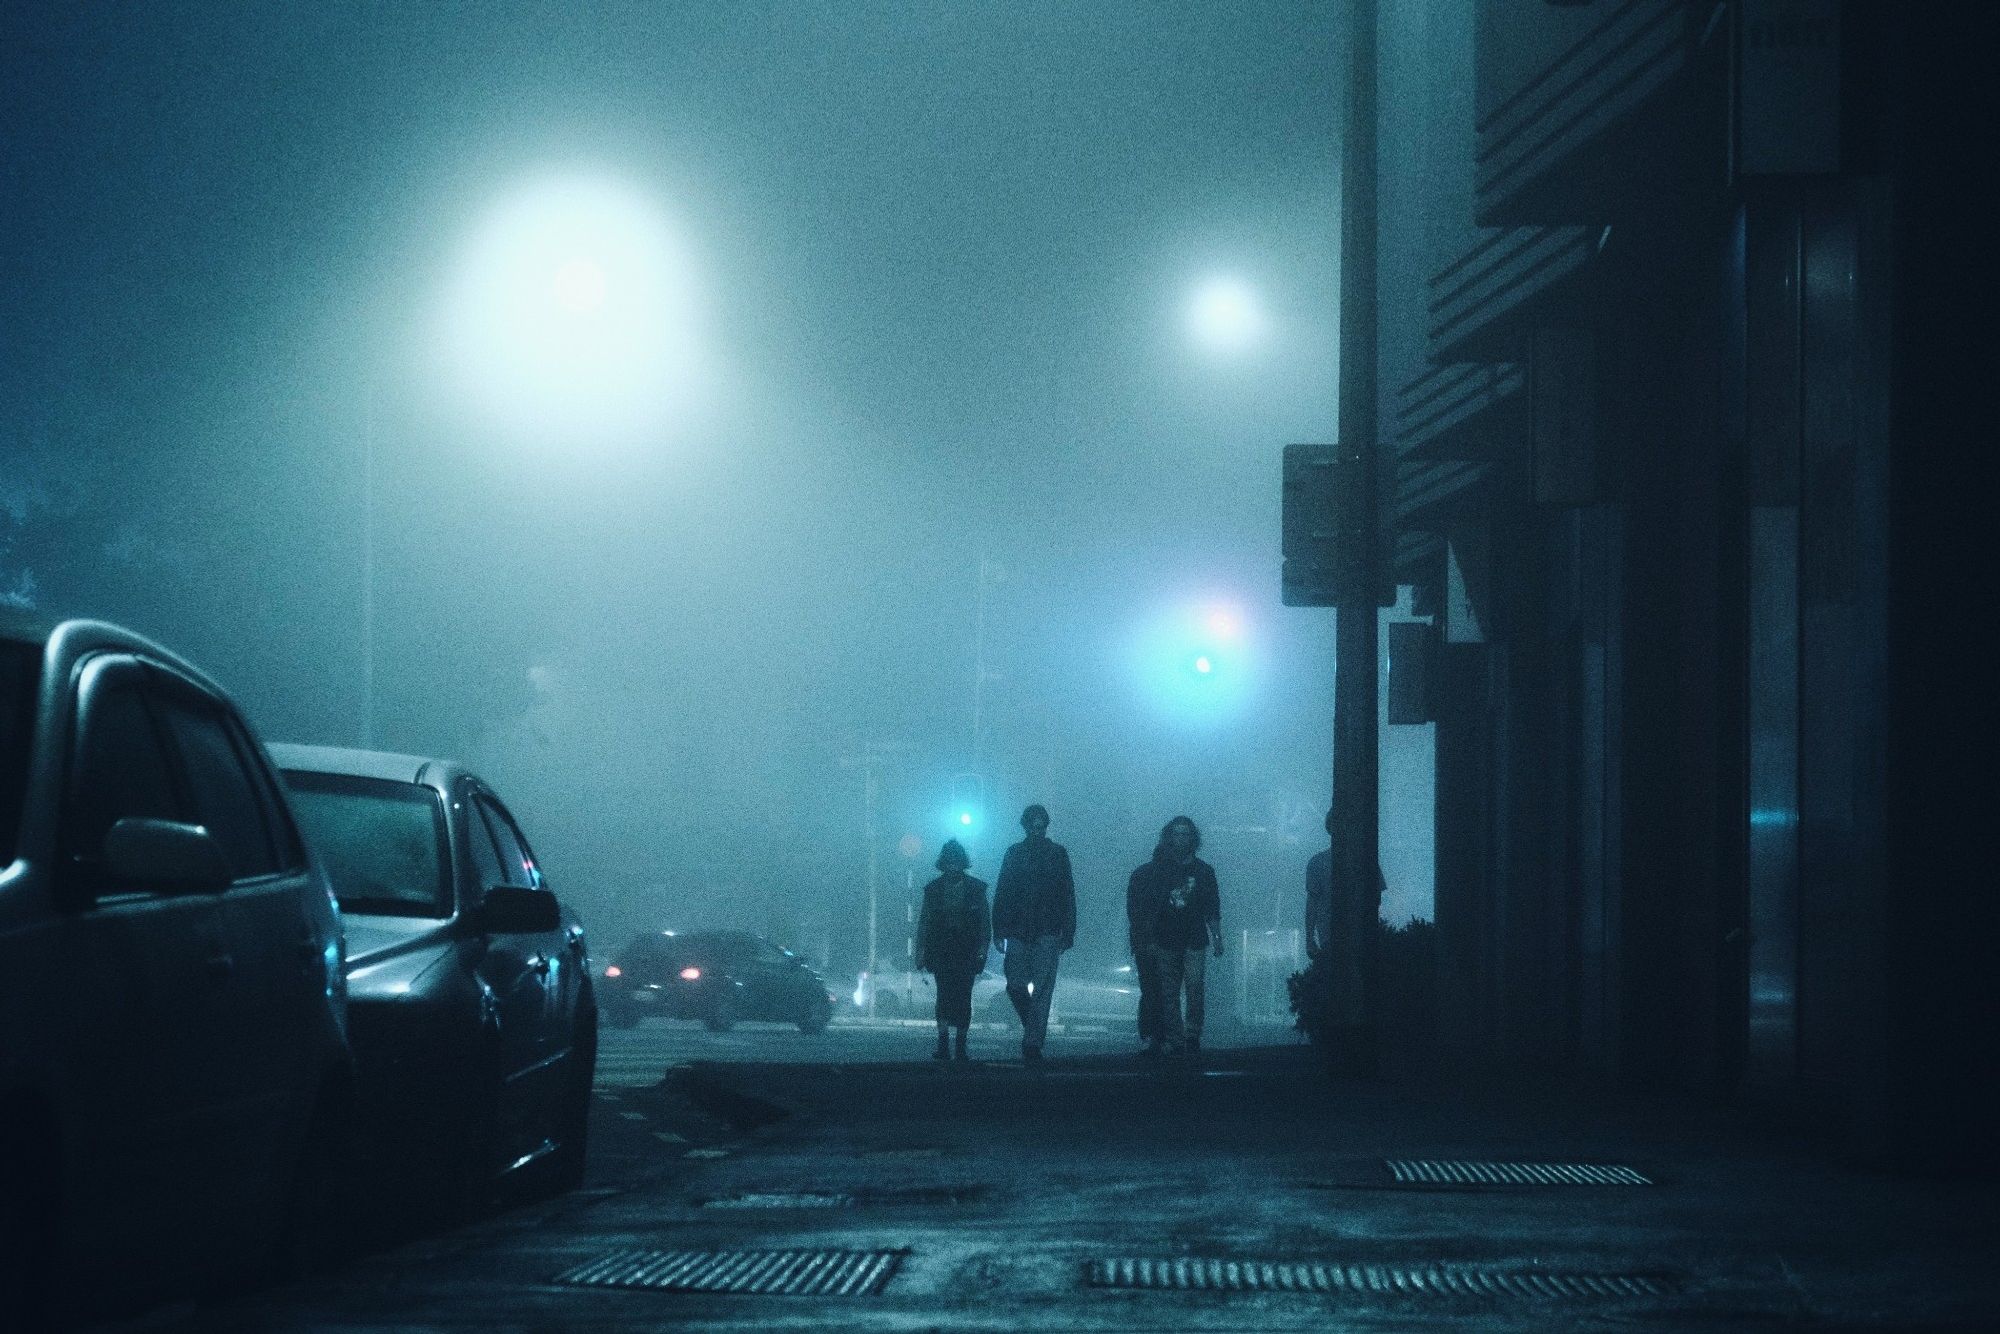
x,y
997,664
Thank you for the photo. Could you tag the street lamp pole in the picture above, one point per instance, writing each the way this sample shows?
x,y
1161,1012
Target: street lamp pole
x,y
989,574
368,411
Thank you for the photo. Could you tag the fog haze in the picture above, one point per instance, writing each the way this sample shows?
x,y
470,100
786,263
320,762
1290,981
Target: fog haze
x,y
937,276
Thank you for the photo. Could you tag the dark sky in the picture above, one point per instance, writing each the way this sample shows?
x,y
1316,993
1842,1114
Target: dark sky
x,y
936,262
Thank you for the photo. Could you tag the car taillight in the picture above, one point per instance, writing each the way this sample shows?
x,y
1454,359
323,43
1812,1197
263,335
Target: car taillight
x,y
690,974
614,971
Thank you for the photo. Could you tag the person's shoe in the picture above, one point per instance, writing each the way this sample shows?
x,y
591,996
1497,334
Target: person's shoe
x,y
942,1053
958,1052
1031,1055
1152,1051
1193,1045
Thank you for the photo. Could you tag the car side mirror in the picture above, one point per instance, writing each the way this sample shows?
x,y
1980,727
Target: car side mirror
x,y
509,910
166,855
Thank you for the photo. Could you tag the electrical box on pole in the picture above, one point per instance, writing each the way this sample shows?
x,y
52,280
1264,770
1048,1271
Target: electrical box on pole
x,y
1327,526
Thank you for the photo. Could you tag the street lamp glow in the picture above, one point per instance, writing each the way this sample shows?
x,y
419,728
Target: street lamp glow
x,y
1225,316
580,285
1203,665
573,314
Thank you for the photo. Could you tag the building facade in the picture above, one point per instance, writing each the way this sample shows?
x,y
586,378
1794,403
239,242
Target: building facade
x,y
1680,354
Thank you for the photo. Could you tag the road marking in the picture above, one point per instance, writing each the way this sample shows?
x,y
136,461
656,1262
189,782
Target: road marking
x,y
633,1116
669,1137
706,1153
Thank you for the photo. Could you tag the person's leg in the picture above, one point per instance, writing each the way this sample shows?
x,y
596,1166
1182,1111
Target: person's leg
x,y
1046,953
954,1009
1169,964
1149,997
1196,970
1018,969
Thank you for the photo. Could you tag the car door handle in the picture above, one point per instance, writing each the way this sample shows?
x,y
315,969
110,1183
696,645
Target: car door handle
x,y
218,967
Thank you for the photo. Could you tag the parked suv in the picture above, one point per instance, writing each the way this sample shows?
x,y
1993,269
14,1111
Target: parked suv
x,y
173,1060
474,1023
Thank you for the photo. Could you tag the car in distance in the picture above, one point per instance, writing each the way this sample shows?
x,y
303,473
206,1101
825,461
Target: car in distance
x,y
717,977
174,1071
471,1008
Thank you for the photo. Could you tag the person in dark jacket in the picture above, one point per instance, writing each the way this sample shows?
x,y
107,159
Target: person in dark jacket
x,y
953,933
1176,912
1034,917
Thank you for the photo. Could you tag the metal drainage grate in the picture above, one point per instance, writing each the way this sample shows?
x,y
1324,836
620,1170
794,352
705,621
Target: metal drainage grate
x,y
1434,1172
791,1273
1398,1280
780,1199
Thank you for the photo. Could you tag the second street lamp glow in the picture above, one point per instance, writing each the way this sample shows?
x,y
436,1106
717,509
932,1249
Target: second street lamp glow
x,y
1225,316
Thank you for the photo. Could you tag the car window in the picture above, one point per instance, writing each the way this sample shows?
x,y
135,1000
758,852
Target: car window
x,y
224,798
516,862
278,821
487,869
121,772
20,675
767,953
383,842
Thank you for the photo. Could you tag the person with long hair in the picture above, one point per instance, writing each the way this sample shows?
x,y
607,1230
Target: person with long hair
x,y
1175,915
953,934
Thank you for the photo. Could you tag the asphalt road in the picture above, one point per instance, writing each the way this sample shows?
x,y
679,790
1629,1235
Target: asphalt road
x,y
1002,1197
633,1057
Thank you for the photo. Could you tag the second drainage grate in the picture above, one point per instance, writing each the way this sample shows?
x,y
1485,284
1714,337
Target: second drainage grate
x,y
1200,1275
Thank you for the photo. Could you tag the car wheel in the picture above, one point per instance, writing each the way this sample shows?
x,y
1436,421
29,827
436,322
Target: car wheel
x,y
722,1015
999,1010
815,1019
888,1006
572,1128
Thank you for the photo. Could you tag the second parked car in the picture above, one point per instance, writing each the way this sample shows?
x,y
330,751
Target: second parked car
x,y
471,1009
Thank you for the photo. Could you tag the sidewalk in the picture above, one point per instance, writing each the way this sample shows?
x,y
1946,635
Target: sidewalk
x,y
1007,1198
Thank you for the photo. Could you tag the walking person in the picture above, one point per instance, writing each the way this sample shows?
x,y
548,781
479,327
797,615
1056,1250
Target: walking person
x,y
1175,902
1034,917
953,932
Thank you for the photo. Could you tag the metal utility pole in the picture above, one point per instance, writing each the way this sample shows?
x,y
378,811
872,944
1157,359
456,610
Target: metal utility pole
x,y
869,761
1356,791
989,574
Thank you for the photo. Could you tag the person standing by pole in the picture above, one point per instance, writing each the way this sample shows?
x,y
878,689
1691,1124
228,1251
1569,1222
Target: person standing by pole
x,y
1034,917
1341,928
1175,900
953,933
